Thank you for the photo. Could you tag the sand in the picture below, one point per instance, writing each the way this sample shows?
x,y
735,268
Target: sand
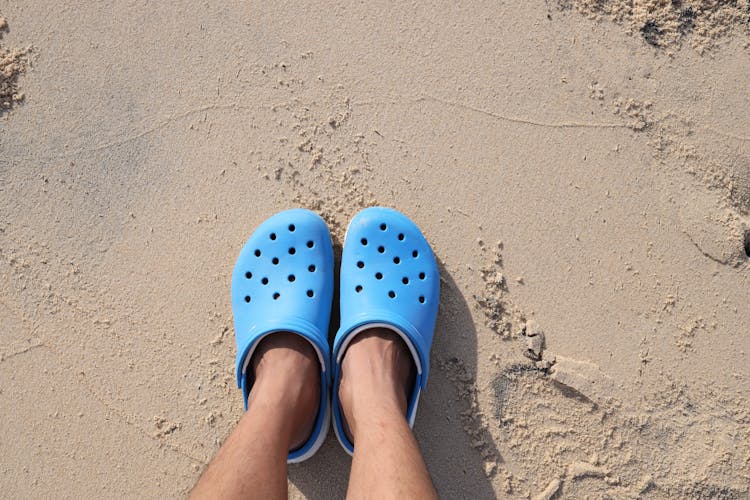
x,y
584,180
13,63
667,23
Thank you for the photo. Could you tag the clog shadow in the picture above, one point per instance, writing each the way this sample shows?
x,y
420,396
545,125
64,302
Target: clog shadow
x,y
445,427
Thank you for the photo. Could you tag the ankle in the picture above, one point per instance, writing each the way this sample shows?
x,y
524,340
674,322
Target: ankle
x,y
281,390
364,413
287,384
377,378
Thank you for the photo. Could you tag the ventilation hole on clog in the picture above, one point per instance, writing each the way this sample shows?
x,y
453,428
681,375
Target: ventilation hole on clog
x,y
311,268
401,237
247,298
383,227
358,288
415,254
421,299
276,296
257,253
747,242
291,278
292,251
264,281
272,236
310,293
310,244
363,241
421,276
396,260
248,275
292,228
405,280
275,261
392,294
378,276
360,264
381,249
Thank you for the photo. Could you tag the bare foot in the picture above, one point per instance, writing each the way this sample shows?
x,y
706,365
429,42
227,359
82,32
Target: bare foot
x,y
287,374
377,375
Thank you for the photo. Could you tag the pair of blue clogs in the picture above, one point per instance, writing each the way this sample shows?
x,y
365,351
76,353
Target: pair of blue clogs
x,y
283,281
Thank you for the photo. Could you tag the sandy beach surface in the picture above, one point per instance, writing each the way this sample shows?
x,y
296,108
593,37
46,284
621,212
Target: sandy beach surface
x,y
581,169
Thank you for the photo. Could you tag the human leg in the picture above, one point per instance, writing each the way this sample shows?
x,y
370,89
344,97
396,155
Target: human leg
x,y
377,375
282,407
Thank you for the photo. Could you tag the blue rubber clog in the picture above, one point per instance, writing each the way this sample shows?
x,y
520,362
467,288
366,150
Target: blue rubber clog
x,y
283,281
389,278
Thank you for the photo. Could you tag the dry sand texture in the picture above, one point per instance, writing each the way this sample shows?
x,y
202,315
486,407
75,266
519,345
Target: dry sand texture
x,y
584,180
666,23
13,62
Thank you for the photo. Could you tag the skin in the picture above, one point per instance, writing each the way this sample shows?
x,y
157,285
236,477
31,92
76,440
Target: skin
x,y
281,412
377,373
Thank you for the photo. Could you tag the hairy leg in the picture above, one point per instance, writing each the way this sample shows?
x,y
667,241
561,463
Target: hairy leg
x,y
282,407
377,376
